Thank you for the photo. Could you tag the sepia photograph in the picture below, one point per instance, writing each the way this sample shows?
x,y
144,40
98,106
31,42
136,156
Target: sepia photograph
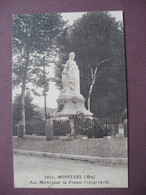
x,y
69,100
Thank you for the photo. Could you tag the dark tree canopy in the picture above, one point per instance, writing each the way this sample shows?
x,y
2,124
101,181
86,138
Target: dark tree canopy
x,y
34,35
31,112
94,38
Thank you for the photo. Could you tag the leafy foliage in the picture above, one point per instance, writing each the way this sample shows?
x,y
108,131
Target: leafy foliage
x,y
94,38
36,35
31,112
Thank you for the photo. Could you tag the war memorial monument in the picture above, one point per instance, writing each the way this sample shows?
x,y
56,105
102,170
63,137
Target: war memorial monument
x,y
70,101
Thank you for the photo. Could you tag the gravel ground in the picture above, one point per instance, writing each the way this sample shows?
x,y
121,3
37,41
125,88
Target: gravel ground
x,y
115,147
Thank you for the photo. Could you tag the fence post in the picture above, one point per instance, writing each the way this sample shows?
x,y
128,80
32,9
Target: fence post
x,y
20,130
72,126
121,130
125,127
49,129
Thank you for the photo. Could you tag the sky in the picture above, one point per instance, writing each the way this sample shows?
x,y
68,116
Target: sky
x,y
54,92
72,16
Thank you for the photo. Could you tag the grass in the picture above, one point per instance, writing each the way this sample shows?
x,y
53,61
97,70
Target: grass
x,y
115,147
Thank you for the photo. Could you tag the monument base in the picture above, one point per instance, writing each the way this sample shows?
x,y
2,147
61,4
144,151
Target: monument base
x,y
69,105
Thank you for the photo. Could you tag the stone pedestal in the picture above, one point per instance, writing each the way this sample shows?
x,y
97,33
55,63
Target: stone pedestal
x,y
20,130
72,126
125,123
69,105
121,130
49,130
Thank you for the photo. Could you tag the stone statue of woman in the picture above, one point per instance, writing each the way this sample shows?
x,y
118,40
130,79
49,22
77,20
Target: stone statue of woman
x,y
70,76
70,101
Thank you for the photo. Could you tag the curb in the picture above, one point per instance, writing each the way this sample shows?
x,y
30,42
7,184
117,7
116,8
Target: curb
x,y
118,161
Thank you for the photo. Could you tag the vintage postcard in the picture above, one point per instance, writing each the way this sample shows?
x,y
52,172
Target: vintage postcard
x,y
69,100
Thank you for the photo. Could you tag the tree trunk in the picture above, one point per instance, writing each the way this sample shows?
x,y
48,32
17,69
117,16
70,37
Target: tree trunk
x,y
93,77
23,105
89,99
89,94
23,90
45,109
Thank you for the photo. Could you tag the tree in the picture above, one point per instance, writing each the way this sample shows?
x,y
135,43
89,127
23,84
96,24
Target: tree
x,y
97,40
93,79
31,112
32,34
42,76
63,51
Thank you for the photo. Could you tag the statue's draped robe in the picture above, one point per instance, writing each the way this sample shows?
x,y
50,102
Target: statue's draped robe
x,y
70,78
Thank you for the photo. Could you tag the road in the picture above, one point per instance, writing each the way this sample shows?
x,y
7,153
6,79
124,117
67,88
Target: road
x,y
42,172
